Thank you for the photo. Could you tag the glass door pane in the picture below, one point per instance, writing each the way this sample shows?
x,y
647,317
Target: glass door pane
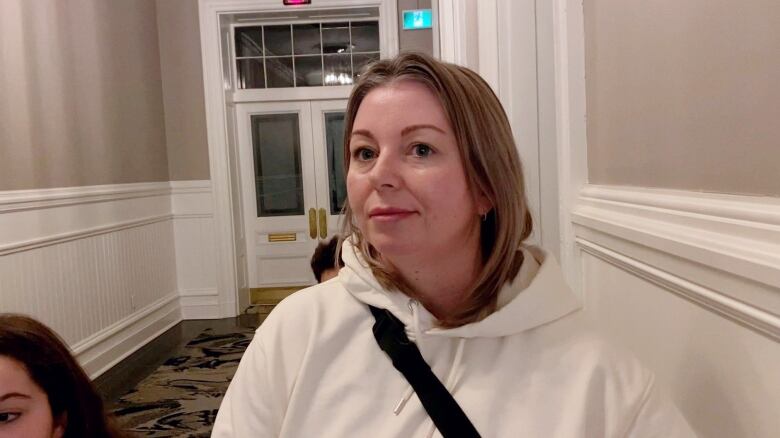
x,y
337,183
328,145
277,162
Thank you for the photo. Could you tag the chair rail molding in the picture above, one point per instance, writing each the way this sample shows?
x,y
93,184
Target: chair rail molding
x,y
95,263
131,260
719,251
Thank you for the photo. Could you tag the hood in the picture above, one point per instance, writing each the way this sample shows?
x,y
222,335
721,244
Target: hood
x,y
537,296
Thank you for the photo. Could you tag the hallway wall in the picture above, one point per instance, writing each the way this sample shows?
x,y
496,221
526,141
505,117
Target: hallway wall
x,y
182,86
684,95
676,223
95,241
81,94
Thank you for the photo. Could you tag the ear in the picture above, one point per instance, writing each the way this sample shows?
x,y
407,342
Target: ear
x,y
483,204
60,424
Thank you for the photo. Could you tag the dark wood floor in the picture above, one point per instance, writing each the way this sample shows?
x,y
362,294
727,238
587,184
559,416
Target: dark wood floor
x,y
129,372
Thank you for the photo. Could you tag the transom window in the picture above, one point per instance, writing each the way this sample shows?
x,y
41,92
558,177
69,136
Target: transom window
x,y
304,54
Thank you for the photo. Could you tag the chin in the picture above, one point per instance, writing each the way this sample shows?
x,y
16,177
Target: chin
x,y
393,247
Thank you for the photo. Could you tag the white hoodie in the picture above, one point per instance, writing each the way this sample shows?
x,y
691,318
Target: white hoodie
x,y
530,369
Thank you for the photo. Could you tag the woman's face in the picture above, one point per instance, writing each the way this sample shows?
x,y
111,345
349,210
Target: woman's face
x,y
406,184
24,407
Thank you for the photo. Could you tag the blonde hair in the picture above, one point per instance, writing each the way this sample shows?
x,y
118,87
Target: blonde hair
x,y
491,163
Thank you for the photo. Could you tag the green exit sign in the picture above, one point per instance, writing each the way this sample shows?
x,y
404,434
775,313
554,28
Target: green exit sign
x,y
418,19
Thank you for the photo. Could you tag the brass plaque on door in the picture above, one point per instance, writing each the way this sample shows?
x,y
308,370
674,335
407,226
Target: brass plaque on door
x,y
282,237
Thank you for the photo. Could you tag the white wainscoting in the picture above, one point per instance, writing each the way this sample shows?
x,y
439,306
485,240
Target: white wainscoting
x,y
97,264
194,232
691,283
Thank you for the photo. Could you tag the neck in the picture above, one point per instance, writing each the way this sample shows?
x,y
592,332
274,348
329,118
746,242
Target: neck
x,y
442,281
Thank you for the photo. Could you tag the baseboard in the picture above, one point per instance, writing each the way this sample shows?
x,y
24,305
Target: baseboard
x,y
200,307
106,348
720,251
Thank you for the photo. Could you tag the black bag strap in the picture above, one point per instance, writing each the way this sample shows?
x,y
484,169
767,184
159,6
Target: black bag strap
x,y
445,412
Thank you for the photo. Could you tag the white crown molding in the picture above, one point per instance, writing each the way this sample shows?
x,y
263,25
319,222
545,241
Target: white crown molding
x,y
720,251
19,200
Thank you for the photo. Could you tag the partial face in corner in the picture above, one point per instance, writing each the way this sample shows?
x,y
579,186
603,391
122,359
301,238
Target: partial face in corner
x,y
24,407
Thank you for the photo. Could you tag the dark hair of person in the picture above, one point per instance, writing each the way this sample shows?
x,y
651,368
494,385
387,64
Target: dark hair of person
x,y
48,361
324,257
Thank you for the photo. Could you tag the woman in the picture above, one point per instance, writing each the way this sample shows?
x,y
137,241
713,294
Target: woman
x,y
43,391
435,222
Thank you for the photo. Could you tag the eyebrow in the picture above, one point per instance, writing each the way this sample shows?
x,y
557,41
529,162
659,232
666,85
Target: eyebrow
x,y
411,128
405,131
13,395
363,132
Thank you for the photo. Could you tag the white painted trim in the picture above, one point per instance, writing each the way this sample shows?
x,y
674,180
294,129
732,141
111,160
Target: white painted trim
x,y
214,87
488,42
202,292
81,234
721,251
200,307
692,205
19,200
103,350
453,31
548,156
752,317
735,234
190,186
287,94
569,49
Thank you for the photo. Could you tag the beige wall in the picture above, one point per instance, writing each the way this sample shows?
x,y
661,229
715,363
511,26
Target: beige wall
x,y
182,80
414,40
684,95
80,94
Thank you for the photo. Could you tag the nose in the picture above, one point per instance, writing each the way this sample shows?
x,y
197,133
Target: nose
x,y
384,173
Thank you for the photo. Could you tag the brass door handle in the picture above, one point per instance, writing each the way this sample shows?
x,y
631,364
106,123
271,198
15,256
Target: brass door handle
x,y
323,224
312,223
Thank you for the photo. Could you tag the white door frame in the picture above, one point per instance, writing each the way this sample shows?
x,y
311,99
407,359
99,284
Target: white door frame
x,y
567,20
496,38
217,93
267,225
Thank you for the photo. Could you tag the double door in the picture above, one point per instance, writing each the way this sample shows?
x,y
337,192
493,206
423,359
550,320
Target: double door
x,y
292,183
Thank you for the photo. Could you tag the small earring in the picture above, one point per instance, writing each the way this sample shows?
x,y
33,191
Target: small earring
x,y
484,217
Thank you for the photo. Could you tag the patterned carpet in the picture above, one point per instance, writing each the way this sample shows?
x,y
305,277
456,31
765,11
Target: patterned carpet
x,y
181,398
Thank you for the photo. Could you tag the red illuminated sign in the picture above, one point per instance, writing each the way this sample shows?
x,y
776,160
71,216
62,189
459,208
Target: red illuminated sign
x,y
296,2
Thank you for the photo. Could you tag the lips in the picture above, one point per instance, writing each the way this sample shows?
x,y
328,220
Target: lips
x,y
389,213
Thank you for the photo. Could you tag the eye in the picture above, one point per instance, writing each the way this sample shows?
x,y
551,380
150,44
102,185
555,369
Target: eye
x,y
364,154
422,150
7,417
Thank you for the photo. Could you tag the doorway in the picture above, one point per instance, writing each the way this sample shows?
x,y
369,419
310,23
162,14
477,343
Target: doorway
x,y
292,185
